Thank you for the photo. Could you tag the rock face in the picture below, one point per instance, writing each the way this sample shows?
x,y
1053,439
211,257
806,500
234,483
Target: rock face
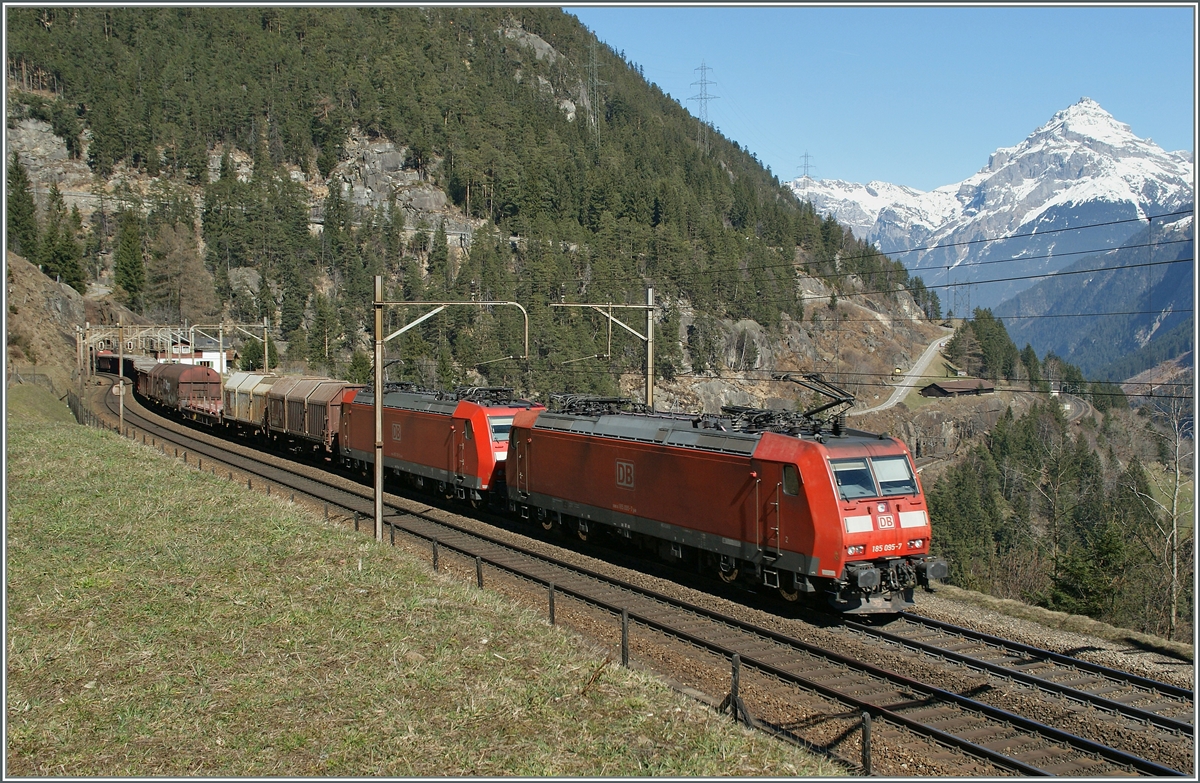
x,y
46,160
41,323
1082,168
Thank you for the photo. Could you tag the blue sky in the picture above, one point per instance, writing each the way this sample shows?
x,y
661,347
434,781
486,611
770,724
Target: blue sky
x,y
916,96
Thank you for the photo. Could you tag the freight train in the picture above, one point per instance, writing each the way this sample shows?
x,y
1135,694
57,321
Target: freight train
x,y
790,501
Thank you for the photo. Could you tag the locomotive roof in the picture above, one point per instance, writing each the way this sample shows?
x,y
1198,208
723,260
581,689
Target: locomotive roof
x,y
684,431
434,402
669,430
409,401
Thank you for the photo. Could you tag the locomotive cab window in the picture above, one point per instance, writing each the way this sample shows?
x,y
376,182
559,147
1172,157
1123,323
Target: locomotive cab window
x,y
791,480
895,476
853,478
501,427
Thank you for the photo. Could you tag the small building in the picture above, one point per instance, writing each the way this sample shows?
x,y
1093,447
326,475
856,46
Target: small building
x,y
205,353
968,386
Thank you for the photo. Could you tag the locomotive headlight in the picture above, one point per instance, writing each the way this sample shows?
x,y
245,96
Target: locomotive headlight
x,y
856,550
916,543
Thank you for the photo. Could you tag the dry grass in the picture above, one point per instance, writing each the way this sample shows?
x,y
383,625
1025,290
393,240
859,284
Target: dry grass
x,y
187,627
1068,622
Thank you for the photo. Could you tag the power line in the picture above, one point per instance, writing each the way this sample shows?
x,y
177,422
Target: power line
x,y
1148,219
768,372
1061,273
873,253
704,98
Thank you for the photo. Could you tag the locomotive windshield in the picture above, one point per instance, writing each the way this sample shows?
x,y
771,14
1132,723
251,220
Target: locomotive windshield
x,y
500,427
895,477
856,480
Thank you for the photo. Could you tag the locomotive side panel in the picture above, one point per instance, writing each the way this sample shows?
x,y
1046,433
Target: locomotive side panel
x,y
416,442
701,499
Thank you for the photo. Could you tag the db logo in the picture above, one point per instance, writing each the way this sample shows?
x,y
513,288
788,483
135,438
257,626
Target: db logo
x,y
625,474
886,521
395,430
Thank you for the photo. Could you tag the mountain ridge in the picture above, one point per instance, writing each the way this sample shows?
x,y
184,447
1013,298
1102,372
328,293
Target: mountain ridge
x,y
1083,168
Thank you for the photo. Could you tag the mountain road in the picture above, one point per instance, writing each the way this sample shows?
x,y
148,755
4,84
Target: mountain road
x,y
908,381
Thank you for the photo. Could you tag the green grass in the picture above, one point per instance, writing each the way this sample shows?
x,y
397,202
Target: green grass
x,y
183,626
32,402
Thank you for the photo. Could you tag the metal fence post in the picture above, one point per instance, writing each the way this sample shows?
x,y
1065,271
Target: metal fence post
x,y
435,554
392,532
478,572
552,603
625,638
355,517
735,682
866,742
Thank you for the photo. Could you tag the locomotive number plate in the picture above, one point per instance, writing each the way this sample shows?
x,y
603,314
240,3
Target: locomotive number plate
x,y
625,474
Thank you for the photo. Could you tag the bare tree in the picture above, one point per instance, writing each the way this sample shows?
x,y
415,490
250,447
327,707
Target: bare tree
x,y
178,284
1164,500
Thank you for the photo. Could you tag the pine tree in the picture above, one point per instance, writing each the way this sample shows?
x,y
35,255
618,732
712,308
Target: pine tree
x,y
129,271
291,311
22,213
360,369
440,274
252,354
59,253
322,336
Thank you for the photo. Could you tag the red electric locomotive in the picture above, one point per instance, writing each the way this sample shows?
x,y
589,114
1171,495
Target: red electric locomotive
x,y
453,442
761,496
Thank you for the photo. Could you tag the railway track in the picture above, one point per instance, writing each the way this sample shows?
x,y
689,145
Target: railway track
x,y
790,684
1117,692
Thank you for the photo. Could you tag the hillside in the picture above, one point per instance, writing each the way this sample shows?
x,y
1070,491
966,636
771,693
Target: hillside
x,y
271,161
1114,324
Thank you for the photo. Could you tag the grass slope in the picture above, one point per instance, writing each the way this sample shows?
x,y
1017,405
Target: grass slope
x,y
185,626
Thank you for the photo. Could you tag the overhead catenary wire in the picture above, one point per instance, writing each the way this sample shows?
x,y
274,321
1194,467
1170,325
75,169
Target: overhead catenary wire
x,y
1014,390
875,253
1094,270
768,372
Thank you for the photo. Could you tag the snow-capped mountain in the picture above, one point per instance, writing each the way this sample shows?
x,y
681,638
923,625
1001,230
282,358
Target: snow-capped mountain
x,y
1081,183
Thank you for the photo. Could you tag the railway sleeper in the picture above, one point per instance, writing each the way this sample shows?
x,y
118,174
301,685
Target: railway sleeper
x,y
1011,745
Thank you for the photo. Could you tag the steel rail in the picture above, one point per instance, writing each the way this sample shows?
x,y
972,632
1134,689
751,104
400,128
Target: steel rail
x,y
1065,660
1050,686
1113,755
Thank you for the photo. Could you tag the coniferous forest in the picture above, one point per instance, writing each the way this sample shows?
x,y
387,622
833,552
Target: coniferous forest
x,y
603,201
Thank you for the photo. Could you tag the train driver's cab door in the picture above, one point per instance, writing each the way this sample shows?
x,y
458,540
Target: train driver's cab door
x,y
777,505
